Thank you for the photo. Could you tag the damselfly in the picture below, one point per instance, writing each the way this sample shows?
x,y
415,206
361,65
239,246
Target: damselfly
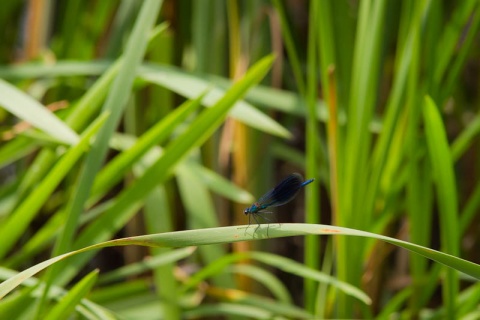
x,y
284,192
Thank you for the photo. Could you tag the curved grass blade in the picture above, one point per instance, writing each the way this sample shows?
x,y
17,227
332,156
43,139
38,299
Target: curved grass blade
x,y
282,263
235,234
33,112
132,198
191,86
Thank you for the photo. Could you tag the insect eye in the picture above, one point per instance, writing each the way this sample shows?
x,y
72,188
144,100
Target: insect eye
x,y
245,211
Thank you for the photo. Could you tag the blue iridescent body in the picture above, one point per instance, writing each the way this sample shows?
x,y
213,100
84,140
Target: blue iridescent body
x,y
284,192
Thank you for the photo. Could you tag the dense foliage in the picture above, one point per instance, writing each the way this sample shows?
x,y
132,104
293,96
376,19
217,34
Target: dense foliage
x,y
134,120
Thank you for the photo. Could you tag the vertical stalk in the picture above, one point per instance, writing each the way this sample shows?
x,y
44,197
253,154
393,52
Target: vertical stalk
x,y
236,131
326,43
312,214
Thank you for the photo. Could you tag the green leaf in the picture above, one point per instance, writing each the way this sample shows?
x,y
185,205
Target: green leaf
x,y
115,104
16,149
239,233
282,263
444,179
33,112
88,308
19,220
131,199
149,263
115,170
213,180
18,305
228,310
444,176
266,278
191,86
275,308
66,306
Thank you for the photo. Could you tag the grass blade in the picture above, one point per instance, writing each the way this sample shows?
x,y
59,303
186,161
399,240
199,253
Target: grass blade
x,y
15,226
33,112
444,179
236,233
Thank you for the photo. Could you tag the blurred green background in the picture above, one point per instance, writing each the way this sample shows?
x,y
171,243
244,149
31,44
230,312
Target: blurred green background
x,y
125,118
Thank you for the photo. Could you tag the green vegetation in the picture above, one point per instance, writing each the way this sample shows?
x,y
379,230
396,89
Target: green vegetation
x,y
132,130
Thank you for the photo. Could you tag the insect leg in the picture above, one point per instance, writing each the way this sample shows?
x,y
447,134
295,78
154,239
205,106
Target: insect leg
x,y
245,233
256,220
265,218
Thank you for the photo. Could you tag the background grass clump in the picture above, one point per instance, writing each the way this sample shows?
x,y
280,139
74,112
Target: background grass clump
x,y
140,119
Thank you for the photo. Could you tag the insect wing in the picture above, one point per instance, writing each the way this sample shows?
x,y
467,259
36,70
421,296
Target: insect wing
x,y
284,192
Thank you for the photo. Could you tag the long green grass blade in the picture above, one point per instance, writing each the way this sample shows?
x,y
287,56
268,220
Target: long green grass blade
x,y
272,283
116,169
131,199
444,178
237,233
115,103
19,220
191,86
28,109
68,302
